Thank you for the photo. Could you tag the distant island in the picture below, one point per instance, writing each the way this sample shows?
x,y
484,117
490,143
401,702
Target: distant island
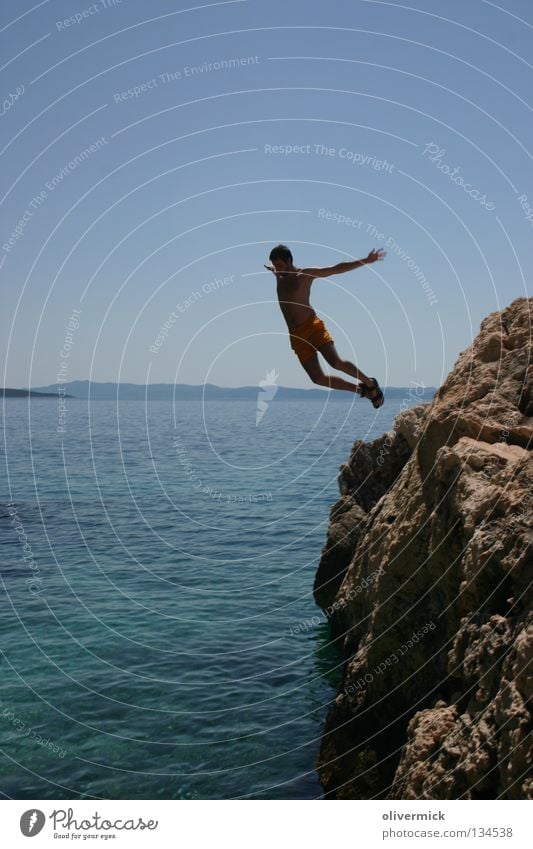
x,y
85,389
29,393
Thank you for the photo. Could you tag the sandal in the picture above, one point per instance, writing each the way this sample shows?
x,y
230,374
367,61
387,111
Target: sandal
x,y
377,394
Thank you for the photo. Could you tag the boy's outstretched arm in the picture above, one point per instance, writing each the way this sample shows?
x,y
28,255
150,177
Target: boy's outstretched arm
x,y
341,267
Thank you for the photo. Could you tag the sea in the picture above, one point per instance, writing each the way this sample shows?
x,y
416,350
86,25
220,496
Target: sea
x,y
158,634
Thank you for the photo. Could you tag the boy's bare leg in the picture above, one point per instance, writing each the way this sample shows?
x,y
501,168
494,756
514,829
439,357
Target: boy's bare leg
x,y
329,352
314,370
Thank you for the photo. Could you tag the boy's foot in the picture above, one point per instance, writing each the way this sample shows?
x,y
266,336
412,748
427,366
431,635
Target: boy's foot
x,y
373,393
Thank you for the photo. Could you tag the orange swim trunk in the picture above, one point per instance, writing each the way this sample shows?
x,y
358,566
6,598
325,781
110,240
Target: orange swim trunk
x,y
308,337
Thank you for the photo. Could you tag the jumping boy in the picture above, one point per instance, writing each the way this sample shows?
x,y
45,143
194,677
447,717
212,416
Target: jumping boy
x,y
307,332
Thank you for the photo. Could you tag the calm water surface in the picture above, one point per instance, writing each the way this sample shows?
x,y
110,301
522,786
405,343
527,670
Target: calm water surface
x,y
172,549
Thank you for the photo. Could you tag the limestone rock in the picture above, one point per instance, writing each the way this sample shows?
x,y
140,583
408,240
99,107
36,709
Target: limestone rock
x,y
427,576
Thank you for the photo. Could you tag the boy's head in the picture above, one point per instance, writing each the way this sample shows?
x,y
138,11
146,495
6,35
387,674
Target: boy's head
x,y
281,258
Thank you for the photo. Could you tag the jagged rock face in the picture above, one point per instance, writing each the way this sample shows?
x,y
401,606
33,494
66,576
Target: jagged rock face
x,y
426,577
369,473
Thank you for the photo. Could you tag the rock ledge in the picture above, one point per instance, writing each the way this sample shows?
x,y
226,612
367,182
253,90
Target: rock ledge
x,y
426,578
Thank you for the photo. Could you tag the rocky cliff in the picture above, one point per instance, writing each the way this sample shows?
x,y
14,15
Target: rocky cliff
x,y
426,579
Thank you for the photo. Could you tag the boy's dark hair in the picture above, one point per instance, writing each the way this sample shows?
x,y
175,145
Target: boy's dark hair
x,y
280,252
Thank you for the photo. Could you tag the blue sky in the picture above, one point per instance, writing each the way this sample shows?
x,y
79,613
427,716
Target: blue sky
x,y
153,154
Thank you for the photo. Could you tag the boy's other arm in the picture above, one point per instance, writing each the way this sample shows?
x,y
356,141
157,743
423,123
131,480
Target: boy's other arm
x,y
342,267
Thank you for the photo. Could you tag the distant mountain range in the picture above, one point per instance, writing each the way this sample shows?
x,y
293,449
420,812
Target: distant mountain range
x,y
84,389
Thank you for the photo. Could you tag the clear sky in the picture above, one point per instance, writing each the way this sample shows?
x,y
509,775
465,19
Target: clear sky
x,y
154,153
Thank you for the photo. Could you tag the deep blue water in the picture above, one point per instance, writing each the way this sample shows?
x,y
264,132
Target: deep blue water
x,y
172,550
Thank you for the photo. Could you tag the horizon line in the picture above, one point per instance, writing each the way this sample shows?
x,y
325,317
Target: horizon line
x,y
193,385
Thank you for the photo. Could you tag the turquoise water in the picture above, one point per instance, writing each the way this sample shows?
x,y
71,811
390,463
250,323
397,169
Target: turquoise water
x,y
171,550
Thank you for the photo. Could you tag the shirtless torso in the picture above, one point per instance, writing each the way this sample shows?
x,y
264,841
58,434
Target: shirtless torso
x,y
293,296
